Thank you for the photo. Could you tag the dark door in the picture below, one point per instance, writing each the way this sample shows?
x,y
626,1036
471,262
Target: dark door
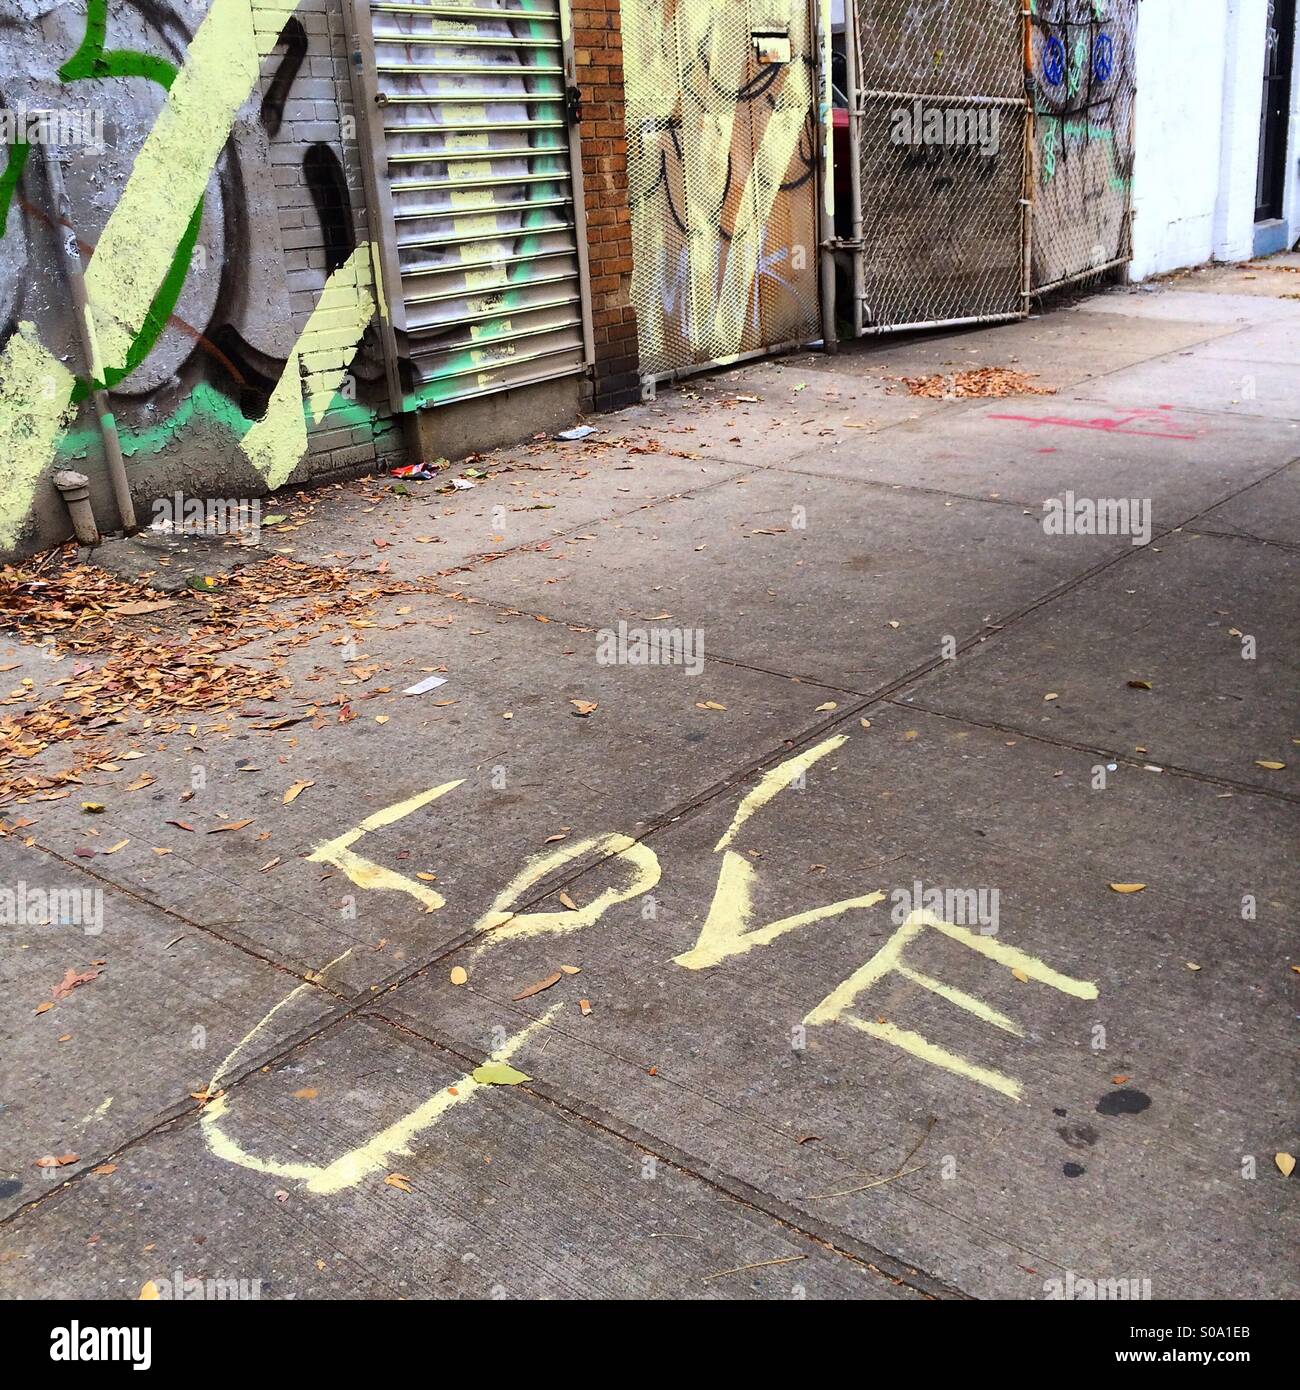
x,y
1279,50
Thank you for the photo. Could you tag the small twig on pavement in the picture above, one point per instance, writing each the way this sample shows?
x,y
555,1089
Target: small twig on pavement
x,y
849,1191
762,1264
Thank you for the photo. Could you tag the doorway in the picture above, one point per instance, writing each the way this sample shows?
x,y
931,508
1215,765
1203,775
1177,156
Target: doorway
x,y
1279,51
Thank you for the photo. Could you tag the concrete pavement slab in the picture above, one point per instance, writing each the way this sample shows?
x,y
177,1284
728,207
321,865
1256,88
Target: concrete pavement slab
x,y
1003,1125
1269,511
162,1002
528,497
1029,450
1254,388
501,1197
504,725
1207,621
812,577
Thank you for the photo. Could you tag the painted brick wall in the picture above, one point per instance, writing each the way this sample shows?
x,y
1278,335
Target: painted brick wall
x,y
598,61
317,104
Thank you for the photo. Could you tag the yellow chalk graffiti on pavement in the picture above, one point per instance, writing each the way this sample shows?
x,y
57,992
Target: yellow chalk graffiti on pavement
x,y
836,1007
373,1154
367,874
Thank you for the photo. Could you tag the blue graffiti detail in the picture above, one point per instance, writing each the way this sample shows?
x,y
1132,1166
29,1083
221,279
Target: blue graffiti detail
x,y
1103,57
1054,61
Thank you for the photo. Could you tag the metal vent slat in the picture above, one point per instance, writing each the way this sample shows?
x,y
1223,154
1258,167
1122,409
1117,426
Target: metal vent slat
x,y
482,233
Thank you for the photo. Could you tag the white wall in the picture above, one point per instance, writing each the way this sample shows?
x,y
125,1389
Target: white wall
x,y
1200,68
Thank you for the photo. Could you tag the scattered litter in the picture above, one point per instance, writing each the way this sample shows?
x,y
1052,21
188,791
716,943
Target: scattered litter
x,y
578,432
424,686
461,484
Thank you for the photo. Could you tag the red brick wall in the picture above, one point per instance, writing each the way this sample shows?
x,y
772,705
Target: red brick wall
x,y
598,61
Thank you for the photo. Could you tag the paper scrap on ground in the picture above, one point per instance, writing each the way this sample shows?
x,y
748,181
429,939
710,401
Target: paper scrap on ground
x,y
427,684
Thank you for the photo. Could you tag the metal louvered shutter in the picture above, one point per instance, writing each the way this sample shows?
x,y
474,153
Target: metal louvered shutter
x,y
476,193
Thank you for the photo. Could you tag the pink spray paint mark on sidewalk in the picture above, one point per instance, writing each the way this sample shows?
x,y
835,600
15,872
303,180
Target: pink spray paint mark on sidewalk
x,y
1123,425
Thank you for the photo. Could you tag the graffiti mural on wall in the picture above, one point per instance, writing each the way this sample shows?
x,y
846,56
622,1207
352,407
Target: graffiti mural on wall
x,y
177,218
722,160
1084,97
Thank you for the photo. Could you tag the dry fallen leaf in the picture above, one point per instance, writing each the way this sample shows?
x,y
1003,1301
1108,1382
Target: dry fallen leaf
x,y
1140,685
1127,887
399,1181
307,1093
1269,766
826,708
567,901
234,825
295,791
1285,1163
708,704
571,970
1118,1080
72,979
585,1006
103,1170
1020,975
538,986
1192,965
62,1161
459,975
148,1292
582,708
498,1074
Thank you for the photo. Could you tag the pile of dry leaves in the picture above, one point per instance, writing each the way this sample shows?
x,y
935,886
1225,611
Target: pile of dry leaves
x,y
990,383
146,658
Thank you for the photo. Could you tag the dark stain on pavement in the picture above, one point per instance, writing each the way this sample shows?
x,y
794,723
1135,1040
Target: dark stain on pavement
x,y
1078,1136
1125,1102
1074,1170
9,1187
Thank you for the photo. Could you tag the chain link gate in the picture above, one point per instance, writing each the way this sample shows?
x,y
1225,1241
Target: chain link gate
x,y
1082,66
942,130
723,159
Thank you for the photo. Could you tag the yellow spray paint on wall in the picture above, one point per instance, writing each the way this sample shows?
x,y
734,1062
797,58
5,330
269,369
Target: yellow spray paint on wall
x,y
134,255
173,167
316,367
722,156
35,392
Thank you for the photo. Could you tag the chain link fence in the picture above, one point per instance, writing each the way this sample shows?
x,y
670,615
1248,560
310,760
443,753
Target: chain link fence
x,y
942,141
722,178
1082,66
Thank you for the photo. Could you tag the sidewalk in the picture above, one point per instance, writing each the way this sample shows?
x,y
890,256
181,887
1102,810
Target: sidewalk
x,y
778,1069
